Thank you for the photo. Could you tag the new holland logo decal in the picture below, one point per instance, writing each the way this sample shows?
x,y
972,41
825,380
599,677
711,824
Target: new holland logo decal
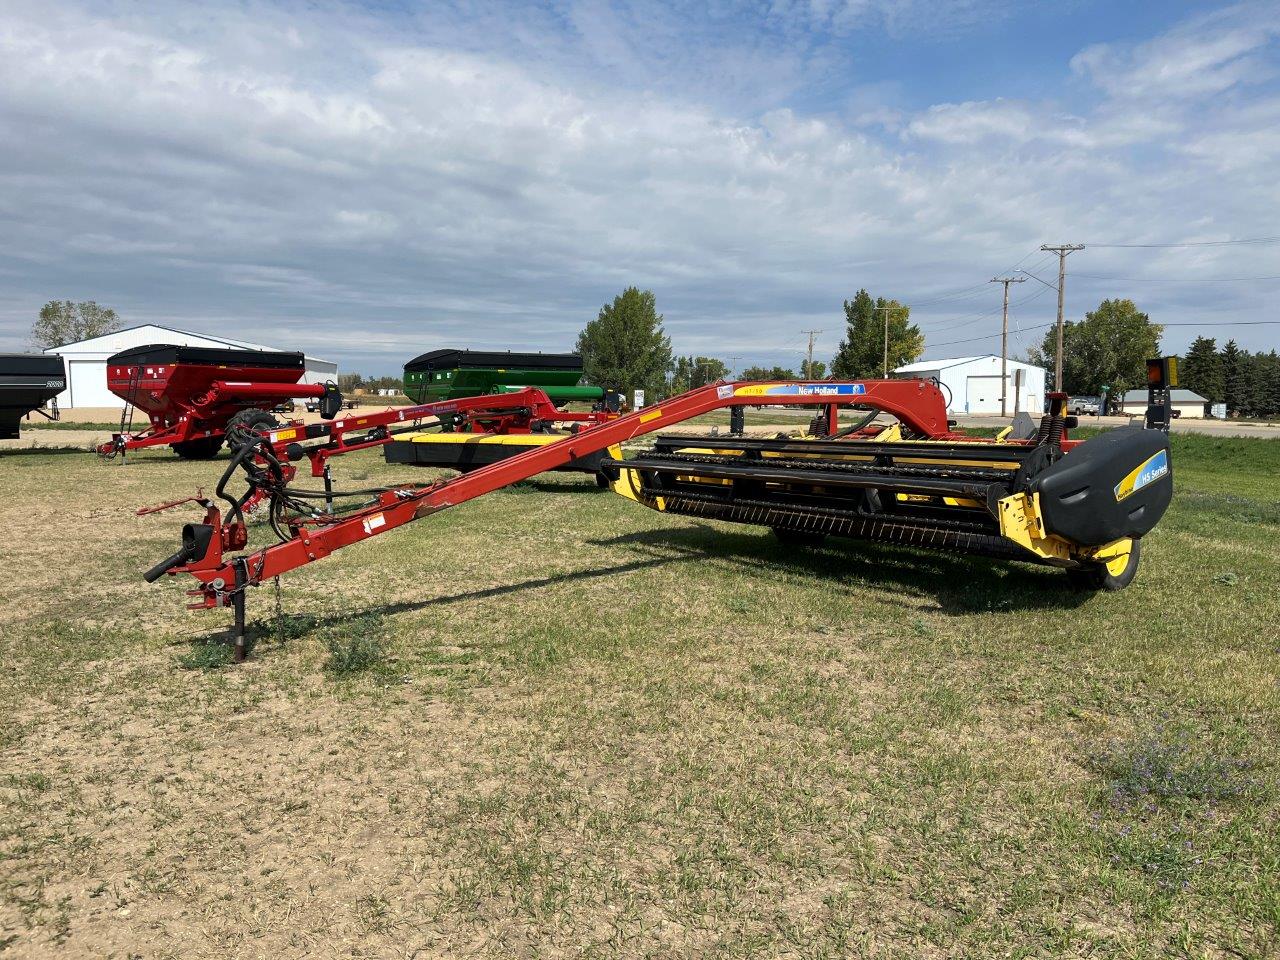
x,y
803,389
1149,471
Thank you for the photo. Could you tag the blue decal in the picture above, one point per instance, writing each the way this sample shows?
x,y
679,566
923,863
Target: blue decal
x,y
1156,468
1149,471
820,389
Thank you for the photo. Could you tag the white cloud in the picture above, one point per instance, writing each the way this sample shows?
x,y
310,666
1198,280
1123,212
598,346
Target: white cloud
x,y
256,168
1206,56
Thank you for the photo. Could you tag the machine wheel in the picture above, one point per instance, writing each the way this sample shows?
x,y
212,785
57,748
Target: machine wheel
x,y
603,482
799,538
1108,576
204,448
246,422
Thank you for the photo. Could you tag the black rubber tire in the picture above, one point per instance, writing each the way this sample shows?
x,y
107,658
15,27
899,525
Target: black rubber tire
x,y
603,482
1098,577
799,538
204,448
250,420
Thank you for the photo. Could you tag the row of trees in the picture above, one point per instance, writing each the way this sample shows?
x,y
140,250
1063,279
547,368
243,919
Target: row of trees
x,y
626,348
351,382
1110,346
1247,383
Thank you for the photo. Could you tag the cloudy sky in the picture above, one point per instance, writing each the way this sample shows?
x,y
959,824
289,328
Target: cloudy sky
x,y
367,181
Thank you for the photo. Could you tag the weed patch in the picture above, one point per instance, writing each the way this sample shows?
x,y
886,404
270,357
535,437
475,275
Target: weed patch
x,y
1169,764
212,654
355,647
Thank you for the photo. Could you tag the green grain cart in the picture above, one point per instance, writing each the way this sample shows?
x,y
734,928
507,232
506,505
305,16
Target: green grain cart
x,y
451,374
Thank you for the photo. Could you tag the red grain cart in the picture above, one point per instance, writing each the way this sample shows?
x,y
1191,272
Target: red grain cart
x,y
195,396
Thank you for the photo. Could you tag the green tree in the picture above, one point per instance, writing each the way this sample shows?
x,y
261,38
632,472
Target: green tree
x,y
691,372
767,373
1110,347
1253,383
1234,384
1269,393
861,353
625,348
62,322
816,371
1201,369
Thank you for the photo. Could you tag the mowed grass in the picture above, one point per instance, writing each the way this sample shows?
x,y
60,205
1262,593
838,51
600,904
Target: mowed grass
x,y
553,723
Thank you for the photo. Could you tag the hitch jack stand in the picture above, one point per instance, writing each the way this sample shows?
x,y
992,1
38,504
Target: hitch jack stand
x,y
237,603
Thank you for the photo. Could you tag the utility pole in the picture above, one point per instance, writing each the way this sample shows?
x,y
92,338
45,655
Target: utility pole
x,y
1061,250
808,367
886,310
1004,342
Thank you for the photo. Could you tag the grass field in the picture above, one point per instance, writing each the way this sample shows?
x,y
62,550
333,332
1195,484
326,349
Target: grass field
x,y
551,723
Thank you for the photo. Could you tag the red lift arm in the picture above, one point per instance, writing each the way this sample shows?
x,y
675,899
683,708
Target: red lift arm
x,y
918,404
515,412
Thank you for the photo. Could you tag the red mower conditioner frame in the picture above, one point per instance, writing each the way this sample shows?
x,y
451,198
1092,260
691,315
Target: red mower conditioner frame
x,y
918,405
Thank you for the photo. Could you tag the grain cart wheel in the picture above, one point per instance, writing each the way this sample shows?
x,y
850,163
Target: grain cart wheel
x,y
1113,575
799,538
246,424
203,448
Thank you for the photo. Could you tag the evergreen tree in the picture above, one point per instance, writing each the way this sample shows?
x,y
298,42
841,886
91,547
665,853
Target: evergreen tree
x,y
1233,374
1269,404
625,348
1253,367
861,353
1201,369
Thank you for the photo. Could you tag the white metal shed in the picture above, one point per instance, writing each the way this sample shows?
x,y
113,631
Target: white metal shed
x,y
973,385
87,360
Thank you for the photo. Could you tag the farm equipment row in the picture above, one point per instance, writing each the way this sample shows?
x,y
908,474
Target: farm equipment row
x,y
28,381
1081,506
198,398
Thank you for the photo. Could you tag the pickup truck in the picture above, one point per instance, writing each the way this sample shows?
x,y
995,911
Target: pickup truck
x,y
313,404
1083,406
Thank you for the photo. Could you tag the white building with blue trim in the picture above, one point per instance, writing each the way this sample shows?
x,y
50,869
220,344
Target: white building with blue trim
x,y
973,385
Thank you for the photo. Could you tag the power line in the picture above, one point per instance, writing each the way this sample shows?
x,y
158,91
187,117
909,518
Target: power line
x,y
988,336
1192,243
1094,276
955,323
1046,326
1223,323
977,290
